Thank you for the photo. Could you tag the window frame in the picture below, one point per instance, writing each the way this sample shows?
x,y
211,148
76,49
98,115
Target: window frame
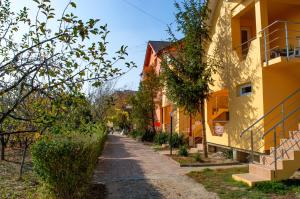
x,y
243,86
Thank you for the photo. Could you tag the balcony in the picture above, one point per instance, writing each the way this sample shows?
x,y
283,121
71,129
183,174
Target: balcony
x,y
218,112
281,43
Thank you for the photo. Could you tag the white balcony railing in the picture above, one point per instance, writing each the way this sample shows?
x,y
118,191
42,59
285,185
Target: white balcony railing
x,y
281,39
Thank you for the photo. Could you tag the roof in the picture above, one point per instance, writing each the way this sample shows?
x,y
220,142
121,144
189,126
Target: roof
x,y
158,45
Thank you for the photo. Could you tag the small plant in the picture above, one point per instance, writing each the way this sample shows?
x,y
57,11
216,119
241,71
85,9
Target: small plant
x,y
228,154
183,151
135,134
197,157
148,136
161,138
177,140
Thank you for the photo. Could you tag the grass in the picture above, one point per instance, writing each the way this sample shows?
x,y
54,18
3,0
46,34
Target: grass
x,y
221,182
14,188
186,160
156,147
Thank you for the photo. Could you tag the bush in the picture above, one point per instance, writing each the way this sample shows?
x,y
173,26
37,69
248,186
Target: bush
x,y
177,140
197,157
148,136
136,134
64,163
161,138
183,151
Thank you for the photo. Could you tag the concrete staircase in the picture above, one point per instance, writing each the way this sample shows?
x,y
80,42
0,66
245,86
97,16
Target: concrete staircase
x,y
288,161
197,149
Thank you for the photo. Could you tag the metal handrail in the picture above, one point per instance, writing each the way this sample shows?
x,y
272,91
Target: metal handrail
x,y
278,21
249,41
280,122
271,111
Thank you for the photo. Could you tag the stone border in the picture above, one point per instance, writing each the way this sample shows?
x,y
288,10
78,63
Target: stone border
x,y
209,164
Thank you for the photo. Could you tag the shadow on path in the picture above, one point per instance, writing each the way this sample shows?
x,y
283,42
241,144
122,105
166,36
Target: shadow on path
x,y
132,170
121,171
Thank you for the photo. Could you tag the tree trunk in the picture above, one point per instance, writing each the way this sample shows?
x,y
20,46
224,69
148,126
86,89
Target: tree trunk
x,y
23,159
204,142
191,129
2,140
153,115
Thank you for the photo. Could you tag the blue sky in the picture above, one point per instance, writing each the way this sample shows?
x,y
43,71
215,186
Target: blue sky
x,y
128,23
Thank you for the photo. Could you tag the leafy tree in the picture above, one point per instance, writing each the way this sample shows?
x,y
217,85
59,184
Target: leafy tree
x,y
186,71
37,62
144,102
121,119
102,102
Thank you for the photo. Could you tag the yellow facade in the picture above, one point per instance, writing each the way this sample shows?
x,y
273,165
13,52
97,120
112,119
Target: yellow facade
x,y
257,43
245,63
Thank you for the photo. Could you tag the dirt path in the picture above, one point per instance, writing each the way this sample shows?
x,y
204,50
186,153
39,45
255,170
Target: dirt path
x,y
131,170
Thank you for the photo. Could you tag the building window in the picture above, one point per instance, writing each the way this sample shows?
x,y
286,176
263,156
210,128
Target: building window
x,y
245,37
245,89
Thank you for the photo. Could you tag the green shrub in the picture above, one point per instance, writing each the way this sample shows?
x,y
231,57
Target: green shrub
x,y
177,140
183,151
272,187
197,157
134,134
161,138
64,163
148,136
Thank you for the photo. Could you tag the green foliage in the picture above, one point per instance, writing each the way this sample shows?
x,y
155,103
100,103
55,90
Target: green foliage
x,y
177,140
143,112
49,56
228,154
121,119
271,187
136,134
197,157
64,163
188,72
148,136
161,138
183,151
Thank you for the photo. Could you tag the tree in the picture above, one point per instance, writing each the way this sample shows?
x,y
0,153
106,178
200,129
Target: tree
x,y
186,71
102,101
36,60
144,101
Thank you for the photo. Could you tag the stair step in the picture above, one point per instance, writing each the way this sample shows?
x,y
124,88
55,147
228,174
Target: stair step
x,y
194,150
269,162
249,178
263,171
294,134
291,144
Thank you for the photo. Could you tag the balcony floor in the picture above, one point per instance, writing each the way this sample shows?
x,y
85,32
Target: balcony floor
x,y
281,61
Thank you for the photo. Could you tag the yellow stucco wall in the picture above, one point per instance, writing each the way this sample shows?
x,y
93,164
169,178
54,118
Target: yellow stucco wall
x,y
270,84
235,71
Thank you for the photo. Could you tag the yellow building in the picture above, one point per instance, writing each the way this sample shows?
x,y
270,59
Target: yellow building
x,y
258,44
254,107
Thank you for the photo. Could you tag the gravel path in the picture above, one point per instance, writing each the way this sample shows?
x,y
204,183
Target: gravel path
x,y
131,170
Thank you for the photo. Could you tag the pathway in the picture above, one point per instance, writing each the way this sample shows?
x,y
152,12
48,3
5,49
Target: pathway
x,y
132,170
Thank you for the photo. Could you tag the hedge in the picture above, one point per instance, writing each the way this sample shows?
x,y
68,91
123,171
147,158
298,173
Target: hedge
x,y
64,163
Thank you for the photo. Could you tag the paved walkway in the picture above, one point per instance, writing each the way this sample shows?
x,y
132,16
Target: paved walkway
x,y
131,170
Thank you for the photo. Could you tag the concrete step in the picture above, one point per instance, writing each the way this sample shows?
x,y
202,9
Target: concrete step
x,y
261,170
290,144
294,134
249,178
269,162
199,146
194,150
